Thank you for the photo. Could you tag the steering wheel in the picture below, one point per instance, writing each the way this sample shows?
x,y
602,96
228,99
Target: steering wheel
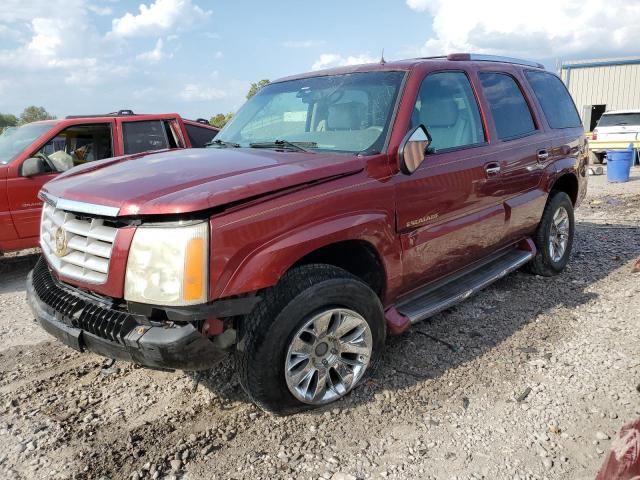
x,y
47,161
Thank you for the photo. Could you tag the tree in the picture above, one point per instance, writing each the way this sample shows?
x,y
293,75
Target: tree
x,y
257,86
220,120
33,114
7,120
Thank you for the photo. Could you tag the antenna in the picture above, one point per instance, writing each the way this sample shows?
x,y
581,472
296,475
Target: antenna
x,y
382,60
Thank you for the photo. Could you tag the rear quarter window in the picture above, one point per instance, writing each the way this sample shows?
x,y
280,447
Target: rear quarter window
x,y
508,106
199,136
556,103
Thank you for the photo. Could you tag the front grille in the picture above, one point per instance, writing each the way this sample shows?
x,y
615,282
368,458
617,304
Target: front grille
x,y
75,246
75,309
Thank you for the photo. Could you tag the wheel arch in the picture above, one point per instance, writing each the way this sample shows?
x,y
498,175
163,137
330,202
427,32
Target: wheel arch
x,y
567,183
368,237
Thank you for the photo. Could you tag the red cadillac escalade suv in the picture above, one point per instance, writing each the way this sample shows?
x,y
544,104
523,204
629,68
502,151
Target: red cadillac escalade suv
x,y
35,153
335,208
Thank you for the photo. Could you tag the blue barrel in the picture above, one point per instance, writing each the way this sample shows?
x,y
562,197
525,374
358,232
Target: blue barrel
x,y
619,164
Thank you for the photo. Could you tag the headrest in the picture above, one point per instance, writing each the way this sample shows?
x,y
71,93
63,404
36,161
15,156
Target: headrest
x,y
441,112
345,116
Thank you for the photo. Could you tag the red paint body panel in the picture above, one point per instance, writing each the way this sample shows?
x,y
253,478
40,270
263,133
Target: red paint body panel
x,y
269,209
20,209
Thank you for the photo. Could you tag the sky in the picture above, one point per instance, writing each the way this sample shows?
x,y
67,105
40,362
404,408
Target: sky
x,y
199,57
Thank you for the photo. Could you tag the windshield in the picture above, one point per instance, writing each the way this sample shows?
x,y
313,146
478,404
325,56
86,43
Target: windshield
x,y
14,140
341,113
614,119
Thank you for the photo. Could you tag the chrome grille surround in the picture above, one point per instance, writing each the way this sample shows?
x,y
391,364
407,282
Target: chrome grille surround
x,y
87,242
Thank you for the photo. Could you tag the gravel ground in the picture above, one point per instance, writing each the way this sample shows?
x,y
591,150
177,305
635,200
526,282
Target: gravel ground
x,y
526,380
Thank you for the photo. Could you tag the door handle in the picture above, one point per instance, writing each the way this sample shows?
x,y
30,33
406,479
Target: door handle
x,y
492,169
543,155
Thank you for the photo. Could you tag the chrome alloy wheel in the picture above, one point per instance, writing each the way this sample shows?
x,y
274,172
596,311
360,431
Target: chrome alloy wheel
x,y
328,356
559,234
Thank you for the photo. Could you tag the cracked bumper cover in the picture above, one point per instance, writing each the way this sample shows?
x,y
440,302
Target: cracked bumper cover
x,y
177,347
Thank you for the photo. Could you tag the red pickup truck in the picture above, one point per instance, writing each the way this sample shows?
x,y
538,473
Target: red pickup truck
x,y
35,153
335,208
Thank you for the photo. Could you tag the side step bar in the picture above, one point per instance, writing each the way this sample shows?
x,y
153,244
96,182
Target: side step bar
x,y
442,295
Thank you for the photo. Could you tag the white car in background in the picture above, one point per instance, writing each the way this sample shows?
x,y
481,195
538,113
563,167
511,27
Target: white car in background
x,y
619,127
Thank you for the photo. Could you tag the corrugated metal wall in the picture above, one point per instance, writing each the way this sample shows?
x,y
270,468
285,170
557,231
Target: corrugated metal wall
x,y
616,86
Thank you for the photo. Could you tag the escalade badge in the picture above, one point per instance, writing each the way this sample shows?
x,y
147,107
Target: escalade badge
x,y
62,241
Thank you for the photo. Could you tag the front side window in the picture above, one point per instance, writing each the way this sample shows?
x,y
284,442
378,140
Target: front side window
x,y
509,109
14,140
77,145
338,113
144,136
448,108
554,99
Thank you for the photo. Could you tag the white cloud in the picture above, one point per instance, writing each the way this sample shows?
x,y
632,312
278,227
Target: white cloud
x,y
545,29
159,17
218,54
194,92
155,55
329,60
98,10
303,43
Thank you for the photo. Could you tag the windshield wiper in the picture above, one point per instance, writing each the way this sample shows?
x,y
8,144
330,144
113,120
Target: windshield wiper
x,y
298,146
222,143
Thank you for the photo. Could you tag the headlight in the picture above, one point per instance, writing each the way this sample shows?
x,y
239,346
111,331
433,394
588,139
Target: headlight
x,y
168,266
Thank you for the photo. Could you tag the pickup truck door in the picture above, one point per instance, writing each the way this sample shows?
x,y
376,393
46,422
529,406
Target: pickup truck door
x,y
69,145
449,211
7,231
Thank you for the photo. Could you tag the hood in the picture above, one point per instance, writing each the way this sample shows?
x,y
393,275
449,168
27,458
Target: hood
x,y
181,181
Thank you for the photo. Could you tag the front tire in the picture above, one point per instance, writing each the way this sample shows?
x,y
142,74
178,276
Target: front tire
x,y
311,339
554,236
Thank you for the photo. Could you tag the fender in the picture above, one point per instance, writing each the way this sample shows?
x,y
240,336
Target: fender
x,y
265,265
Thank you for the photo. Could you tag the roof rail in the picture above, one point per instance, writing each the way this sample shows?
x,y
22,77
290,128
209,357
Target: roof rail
x,y
119,113
203,120
480,57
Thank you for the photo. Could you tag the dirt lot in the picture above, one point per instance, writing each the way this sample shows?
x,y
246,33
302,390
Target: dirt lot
x,y
528,379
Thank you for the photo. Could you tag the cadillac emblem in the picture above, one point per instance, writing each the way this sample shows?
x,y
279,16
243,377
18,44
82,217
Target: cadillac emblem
x,y
61,242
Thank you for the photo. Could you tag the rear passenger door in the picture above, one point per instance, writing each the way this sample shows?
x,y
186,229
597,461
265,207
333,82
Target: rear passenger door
x,y
520,151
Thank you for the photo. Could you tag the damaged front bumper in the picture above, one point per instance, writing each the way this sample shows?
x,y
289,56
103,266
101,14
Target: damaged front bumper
x,y
84,322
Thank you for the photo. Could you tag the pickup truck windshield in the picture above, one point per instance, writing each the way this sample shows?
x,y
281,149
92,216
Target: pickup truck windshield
x,y
14,140
614,119
341,113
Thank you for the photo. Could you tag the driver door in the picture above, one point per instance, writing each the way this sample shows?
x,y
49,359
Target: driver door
x,y
65,148
449,210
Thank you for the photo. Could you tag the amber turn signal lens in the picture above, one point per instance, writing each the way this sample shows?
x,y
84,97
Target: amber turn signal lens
x,y
194,270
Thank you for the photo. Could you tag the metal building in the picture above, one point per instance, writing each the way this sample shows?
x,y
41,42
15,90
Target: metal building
x,y
602,84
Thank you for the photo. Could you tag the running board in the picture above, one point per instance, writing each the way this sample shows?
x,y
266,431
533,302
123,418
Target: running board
x,y
453,290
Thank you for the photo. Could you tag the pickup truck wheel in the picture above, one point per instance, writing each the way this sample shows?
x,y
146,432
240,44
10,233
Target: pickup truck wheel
x,y
311,339
554,236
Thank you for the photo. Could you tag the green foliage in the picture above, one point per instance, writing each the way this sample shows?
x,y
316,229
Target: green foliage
x,y
220,120
7,120
257,86
33,114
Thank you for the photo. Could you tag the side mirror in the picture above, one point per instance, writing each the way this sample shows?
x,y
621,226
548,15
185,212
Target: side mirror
x,y
413,149
33,166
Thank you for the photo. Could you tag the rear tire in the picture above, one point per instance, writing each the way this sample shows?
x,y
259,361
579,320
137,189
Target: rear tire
x,y
283,317
554,236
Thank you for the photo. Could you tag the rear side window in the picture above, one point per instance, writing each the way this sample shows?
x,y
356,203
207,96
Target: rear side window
x,y
554,99
199,136
144,136
509,109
